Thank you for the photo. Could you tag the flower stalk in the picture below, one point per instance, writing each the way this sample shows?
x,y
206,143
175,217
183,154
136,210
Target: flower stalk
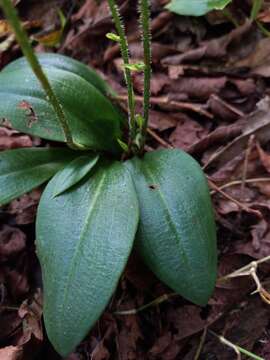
x,y
127,72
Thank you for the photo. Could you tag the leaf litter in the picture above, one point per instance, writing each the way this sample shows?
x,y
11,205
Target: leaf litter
x,y
210,97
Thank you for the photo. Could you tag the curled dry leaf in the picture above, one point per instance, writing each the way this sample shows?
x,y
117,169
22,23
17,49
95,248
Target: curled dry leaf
x,y
257,124
31,312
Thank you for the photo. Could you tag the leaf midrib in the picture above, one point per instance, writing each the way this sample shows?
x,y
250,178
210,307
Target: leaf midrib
x,y
170,222
36,167
96,195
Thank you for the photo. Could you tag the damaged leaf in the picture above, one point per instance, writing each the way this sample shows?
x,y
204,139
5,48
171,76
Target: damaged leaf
x,y
80,92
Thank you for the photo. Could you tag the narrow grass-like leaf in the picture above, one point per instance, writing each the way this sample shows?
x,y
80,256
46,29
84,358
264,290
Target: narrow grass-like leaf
x,y
22,170
196,7
94,121
73,172
176,234
84,238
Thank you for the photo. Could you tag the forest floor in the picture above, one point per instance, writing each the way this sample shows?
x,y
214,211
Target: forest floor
x,y
211,98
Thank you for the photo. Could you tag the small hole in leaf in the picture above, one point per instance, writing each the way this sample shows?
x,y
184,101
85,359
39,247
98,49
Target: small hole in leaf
x,y
153,187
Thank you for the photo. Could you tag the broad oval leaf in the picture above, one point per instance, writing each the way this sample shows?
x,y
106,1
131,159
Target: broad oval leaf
x,y
94,121
196,7
74,172
22,170
84,238
65,63
176,234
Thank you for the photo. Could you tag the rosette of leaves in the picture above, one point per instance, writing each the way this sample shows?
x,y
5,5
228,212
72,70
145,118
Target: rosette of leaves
x,y
97,207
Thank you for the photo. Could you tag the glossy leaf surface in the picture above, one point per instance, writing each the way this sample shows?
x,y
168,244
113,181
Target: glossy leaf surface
x,y
196,7
84,238
65,63
73,172
93,119
22,170
176,234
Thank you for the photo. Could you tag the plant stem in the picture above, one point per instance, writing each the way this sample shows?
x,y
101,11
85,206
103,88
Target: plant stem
x,y
144,9
12,17
257,5
238,349
125,56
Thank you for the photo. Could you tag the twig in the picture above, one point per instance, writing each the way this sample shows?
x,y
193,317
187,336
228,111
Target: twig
x,y
12,17
155,302
245,268
251,270
239,182
201,343
241,205
237,349
164,100
159,139
245,168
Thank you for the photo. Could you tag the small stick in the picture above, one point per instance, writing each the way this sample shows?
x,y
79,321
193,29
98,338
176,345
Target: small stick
x,y
245,268
155,302
237,349
241,205
159,139
239,182
164,100
244,175
201,343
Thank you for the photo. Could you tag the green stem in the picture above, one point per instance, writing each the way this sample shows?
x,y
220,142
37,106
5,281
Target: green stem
x,y
125,56
12,17
257,5
144,9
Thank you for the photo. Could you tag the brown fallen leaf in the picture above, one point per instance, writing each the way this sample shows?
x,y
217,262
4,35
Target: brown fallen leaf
x,y
11,353
12,241
264,157
30,312
258,60
257,123
219,136
12,139
216,48
187,133
24,208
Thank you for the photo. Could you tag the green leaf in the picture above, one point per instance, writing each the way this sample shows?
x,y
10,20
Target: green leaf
x,y
74,172
135,67
176,234
22,170
93,119
65,63
84,238
113,37
196,7
123,145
